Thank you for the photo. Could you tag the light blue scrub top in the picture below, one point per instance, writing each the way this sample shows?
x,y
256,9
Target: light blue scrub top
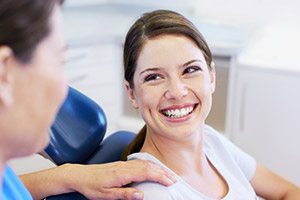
x,y
12,187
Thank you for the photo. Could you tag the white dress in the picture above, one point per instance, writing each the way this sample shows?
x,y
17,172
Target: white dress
x,y
235,166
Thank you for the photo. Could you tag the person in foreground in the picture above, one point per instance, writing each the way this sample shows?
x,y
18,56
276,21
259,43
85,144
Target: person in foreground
x,y
32,88
170,77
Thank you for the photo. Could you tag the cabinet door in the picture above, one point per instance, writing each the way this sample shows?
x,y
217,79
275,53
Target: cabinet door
x,y
96,71
217,115
266,119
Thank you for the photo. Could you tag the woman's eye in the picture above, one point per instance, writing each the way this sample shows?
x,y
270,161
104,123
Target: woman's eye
x,y
152,77
192,69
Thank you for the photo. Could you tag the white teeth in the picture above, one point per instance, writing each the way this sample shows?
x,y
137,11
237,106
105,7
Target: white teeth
x,y
177,113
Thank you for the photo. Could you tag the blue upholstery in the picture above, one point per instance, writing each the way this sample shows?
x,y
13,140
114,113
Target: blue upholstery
x,y
111,148
76,137
77,130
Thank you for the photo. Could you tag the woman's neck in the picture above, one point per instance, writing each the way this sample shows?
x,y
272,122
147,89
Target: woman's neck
x,y
180,156
187,159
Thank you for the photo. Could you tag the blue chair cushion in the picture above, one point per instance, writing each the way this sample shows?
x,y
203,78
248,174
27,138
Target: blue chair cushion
x,y
77,131
112,147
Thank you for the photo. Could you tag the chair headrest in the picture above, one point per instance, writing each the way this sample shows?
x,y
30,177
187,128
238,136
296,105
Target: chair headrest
x,y
112,147
77,131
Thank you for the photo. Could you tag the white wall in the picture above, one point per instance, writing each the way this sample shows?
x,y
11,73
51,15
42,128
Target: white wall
x,y
246,11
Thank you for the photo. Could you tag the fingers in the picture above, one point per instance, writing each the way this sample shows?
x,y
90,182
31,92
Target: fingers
x,y
149,171
124,193
118,174
156,173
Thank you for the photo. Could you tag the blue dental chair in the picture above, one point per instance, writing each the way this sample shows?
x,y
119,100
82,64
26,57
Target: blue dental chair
x,y
76,137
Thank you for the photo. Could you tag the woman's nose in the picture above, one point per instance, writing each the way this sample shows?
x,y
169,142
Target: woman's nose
x,y
176,90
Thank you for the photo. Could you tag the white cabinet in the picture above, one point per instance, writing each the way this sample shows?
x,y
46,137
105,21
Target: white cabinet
x,y
217,115
265,118
96,71
76,3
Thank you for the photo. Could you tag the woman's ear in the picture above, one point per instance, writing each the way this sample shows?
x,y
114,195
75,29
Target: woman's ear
x,y
131,95
5,77
212,77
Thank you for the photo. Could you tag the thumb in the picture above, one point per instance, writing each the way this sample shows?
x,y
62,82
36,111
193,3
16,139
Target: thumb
x,y
126,193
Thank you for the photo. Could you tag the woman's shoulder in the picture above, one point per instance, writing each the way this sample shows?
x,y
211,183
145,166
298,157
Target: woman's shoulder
x,y
210,131
177,191
153,190
148,156
217,142
213,137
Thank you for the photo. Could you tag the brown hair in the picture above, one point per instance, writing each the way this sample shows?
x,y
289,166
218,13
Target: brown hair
x,y
24,24
151,25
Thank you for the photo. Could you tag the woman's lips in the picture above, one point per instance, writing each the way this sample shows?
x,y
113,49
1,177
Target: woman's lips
x,y
178,112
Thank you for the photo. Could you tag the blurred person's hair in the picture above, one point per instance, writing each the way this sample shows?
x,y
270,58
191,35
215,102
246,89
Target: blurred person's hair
x,y
24,24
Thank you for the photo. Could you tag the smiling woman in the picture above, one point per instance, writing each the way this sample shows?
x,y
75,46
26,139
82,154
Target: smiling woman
x,y
170,78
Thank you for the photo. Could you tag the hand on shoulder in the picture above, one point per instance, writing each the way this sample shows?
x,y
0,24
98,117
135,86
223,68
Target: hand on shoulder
x,y
107,181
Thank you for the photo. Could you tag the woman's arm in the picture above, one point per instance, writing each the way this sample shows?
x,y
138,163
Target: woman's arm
x,y
271,186
96,181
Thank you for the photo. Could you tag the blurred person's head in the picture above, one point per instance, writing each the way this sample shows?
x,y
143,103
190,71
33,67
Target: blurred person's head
x,y
32,82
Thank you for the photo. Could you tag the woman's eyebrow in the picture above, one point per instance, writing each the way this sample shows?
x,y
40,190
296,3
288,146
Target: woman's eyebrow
x,y
157,68
191,61
150,69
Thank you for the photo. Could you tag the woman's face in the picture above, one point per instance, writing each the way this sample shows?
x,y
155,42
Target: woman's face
x,y
173,86
39,87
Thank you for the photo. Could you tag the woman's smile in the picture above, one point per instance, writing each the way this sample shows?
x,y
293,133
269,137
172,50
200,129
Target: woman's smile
x,y
177,113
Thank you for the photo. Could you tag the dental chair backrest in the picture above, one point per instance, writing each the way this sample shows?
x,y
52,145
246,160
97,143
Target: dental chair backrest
x,y
77,133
